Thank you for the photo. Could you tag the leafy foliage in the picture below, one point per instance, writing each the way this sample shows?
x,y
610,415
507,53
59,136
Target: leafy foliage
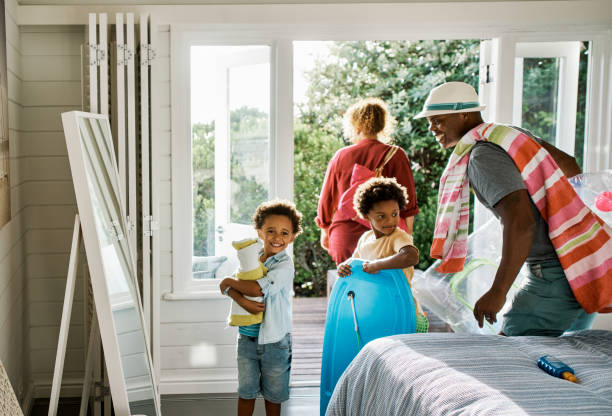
x,y
313,149
203,162
249,163
249,135
540,91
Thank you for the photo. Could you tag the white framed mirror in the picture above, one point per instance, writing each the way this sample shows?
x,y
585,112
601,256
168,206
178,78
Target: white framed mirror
x,y
111,265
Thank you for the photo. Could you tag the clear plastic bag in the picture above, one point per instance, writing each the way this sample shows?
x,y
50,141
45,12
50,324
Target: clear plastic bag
x,y
593,186
452,296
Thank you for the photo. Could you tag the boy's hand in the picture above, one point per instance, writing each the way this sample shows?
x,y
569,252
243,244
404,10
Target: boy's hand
x,y
344,270
250,305
370,267
224,284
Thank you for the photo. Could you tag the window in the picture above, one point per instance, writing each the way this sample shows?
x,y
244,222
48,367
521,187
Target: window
x,y
225,132
230,127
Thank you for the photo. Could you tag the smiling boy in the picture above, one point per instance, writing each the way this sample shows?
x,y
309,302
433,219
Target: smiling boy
x,y
264,350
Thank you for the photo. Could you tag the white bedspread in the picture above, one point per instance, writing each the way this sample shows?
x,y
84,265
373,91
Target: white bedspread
x,y
452,374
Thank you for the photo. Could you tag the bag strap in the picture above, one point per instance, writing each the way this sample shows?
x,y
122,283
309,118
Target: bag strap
x,y
388,157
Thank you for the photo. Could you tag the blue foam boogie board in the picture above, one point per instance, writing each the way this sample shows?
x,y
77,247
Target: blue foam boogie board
x,y
383,306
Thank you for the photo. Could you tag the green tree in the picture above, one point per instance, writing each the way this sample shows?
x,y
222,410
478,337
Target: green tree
x,y
203,165
540,91
248,132
312,152
249,129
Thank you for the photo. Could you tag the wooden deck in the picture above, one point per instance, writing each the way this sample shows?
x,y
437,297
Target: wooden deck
x,y
307,336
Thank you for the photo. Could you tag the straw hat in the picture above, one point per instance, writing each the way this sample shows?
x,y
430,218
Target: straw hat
x,y
451,97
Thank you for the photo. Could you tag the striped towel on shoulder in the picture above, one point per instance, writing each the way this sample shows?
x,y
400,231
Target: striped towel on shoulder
x,y
582,240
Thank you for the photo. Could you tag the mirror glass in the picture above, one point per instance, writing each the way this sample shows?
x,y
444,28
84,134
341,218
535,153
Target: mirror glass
x,y
98,193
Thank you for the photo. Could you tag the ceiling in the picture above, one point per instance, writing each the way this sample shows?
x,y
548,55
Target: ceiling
x,y
227,2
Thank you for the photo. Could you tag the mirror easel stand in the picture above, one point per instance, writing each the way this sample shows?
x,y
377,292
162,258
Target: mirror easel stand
x,y
94,335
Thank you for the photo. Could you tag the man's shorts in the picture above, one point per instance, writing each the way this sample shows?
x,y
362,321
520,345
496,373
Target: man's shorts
x,y
264,368
545,305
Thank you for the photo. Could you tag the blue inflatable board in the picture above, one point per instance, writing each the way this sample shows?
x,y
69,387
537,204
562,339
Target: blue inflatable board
x,y
383,305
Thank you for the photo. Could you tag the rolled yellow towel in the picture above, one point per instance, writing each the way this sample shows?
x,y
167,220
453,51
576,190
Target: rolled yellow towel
x,y
250,268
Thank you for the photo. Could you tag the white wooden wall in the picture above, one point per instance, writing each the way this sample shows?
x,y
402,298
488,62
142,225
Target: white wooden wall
x,y
12,235
51,84
197,352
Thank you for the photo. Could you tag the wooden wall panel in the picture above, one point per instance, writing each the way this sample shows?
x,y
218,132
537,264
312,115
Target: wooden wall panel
x,y
51,85
12,234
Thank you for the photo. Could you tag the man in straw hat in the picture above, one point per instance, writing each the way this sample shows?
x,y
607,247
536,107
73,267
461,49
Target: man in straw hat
x,y
523,181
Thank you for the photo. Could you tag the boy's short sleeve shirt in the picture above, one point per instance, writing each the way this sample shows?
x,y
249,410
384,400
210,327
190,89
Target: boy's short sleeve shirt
x,y
371,248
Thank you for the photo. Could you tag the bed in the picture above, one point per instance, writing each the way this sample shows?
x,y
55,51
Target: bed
x,y
451,374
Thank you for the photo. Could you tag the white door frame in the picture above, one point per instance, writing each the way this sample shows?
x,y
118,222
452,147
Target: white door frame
x,y
281,143
569,53
498,64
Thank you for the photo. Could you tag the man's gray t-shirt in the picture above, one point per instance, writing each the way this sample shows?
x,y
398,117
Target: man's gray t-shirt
x,y
493,175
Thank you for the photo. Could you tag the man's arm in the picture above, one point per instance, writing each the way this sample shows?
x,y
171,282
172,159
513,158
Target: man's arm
x,y
567,163
516,216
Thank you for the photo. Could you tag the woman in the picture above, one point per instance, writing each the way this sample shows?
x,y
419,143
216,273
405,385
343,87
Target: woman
x,y
368,125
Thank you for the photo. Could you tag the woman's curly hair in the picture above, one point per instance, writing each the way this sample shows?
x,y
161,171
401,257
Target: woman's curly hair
x,y
372,117
278,207
376,190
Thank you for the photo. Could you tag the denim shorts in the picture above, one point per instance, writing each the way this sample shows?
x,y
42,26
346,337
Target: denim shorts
x,y
264,368
545,304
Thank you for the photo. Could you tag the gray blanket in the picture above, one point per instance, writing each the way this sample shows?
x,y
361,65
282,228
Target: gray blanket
x,y
453,374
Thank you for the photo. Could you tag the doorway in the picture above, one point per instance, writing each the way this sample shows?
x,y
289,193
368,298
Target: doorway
x,y
235,145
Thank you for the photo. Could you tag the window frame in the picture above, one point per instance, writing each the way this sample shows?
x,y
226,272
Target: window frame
x,y
281,126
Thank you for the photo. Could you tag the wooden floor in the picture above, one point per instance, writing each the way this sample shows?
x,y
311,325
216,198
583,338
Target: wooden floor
x,y
307,336
308,327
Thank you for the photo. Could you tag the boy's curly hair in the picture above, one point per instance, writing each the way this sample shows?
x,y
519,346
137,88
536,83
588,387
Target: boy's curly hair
x,y
278,207
372,117
376,190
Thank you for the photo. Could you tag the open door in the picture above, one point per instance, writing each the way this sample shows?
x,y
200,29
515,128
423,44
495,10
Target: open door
x,y
231,145
533,85
242,146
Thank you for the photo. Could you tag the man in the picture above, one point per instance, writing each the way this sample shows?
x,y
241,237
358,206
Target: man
x,y
494,160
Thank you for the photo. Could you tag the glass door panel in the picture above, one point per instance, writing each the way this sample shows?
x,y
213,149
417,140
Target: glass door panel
x,y
546,90
230,148
534,85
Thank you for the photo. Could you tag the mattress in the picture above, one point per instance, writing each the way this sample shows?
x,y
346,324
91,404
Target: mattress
x,y
470,374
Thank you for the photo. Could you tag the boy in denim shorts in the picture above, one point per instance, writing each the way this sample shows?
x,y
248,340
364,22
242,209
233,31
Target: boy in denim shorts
x,y
264,350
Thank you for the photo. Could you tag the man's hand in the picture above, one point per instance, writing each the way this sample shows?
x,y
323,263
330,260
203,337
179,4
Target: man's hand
x,y
371,267
518,224
344,270
248,305
488,305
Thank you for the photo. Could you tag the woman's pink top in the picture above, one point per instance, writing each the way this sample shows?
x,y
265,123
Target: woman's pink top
x,y
369,153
